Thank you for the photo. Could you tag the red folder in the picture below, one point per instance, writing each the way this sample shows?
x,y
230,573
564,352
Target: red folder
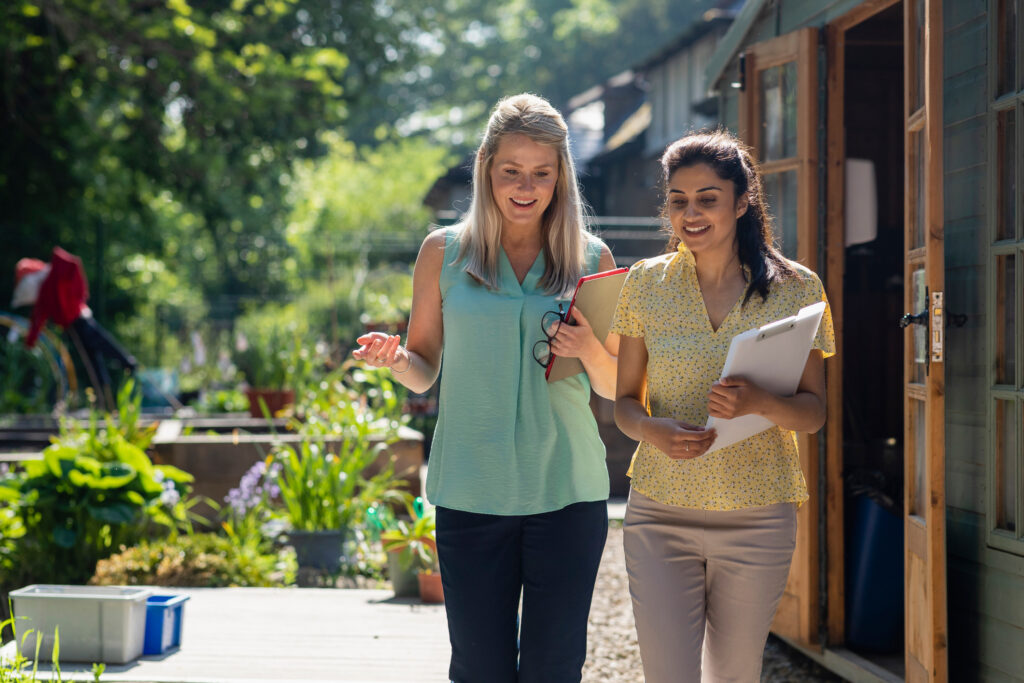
x,y
595,296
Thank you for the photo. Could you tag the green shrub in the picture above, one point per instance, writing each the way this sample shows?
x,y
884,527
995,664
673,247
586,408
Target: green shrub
x,y
205,560
94,490
27,382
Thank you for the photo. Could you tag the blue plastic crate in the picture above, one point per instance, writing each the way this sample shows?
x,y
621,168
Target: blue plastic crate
x,y
164,617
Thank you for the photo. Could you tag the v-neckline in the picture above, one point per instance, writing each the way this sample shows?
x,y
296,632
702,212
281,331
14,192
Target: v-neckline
x,y
704,305
529,272
707,315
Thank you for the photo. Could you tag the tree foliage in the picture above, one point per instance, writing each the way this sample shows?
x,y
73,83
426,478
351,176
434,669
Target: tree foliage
x,y
126,112
200,155
470,53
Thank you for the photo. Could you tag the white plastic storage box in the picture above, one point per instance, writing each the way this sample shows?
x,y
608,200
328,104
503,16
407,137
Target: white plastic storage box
x,y
97,623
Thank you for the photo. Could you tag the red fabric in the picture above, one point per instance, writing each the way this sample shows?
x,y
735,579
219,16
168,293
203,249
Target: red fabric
x,y
62,295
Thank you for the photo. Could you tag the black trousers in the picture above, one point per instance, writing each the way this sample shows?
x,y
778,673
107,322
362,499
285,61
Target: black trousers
x,y
487,561
100,345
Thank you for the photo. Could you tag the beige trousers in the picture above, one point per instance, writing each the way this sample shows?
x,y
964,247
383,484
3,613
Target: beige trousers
x,y
705,585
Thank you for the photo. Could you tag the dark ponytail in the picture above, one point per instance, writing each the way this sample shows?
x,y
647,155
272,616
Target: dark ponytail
x,y
731,160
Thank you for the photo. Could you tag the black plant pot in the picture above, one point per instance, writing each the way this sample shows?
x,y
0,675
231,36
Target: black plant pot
x,y
320,550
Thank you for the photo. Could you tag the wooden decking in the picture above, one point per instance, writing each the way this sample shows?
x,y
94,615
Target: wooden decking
x,y
303,635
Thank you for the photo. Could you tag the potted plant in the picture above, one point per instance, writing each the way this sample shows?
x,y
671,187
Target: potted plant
x,y
274,362
429,577
322,490
411,547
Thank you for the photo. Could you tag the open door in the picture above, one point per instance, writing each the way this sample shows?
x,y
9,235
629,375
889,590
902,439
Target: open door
x,y
924,352
778,118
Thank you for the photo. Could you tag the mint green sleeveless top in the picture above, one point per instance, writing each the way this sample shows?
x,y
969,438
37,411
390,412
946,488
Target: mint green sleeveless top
x,y
507,442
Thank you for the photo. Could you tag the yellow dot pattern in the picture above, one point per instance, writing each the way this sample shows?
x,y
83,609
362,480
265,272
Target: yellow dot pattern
x,y
662,303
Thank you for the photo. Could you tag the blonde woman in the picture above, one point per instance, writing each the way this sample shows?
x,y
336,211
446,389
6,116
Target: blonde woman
x,y
709,537
517,469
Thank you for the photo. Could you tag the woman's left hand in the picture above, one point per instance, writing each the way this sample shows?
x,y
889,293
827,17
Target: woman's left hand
x,y
734,396
575,340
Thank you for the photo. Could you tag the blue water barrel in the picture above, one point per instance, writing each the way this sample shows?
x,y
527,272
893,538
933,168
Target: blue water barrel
x,y
874,578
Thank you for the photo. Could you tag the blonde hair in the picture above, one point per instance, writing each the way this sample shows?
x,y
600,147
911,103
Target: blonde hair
x,y
563,230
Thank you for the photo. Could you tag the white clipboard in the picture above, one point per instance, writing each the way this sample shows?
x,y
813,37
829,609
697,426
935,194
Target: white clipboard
x,y
773,357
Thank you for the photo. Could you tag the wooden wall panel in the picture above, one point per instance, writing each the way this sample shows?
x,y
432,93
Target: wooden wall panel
x,y
958,12
964,144
965,190
965,478
986,608
962,46
960,96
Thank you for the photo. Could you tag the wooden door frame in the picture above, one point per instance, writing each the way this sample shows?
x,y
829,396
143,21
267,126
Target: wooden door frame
x,y
926,541
835,258
796,619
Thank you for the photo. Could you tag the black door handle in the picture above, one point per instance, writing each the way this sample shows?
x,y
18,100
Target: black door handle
x,y
911,319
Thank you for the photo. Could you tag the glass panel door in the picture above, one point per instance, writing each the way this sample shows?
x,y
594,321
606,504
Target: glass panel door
x,y
924,354
779,120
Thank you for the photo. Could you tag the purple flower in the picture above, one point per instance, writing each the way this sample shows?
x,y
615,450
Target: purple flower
x,y
257,482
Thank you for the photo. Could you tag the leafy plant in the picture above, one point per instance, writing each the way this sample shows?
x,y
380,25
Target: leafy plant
x,y
11,526
27,384
15,669
272,356
322,479
94,490
414,540
381,393
247,516
221,401
206,559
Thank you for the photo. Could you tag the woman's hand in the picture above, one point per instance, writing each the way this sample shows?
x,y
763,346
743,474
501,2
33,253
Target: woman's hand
x,y
677,439
734,396
575,338
381,350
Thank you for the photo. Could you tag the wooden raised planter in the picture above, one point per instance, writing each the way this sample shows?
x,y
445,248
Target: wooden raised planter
x,y
218,461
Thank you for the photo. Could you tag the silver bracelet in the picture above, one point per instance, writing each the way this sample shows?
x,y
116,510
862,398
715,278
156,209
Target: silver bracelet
x,y
400,372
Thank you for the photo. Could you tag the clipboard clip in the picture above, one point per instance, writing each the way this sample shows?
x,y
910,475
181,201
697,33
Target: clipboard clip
x,y
776,328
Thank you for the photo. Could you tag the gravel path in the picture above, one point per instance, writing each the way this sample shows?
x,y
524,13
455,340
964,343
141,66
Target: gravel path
x,y
612,654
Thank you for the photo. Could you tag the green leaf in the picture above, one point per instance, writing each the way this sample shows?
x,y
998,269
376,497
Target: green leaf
x,y
59,459
88,464
174,474
116,513
135,498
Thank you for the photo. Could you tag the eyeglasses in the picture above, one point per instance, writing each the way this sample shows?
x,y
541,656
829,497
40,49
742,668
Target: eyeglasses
x,y
542,349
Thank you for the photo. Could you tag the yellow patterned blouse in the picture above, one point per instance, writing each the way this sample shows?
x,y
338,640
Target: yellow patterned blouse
x,y
662,303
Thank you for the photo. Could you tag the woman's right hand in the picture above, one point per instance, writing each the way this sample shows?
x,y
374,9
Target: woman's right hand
x,y
381,350
677,439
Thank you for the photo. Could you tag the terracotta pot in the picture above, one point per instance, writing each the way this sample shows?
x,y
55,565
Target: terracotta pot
x,y
431,590
276,400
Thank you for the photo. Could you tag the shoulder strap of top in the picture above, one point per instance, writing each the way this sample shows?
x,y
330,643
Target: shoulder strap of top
x,y
449,270
593,259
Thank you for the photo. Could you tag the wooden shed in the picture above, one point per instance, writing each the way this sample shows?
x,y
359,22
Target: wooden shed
x,y
891,134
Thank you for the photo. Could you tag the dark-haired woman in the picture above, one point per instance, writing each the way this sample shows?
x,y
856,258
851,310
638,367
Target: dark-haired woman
x,y
709,538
